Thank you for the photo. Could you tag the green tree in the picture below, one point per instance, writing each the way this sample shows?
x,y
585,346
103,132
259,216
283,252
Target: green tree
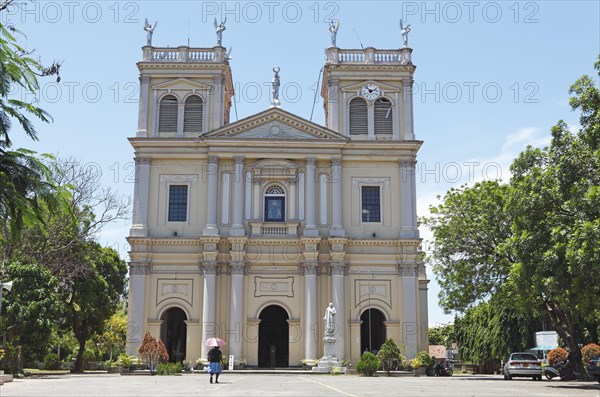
x,y
533,243
556,228
471,229
91,298
442,335
113,337
30,308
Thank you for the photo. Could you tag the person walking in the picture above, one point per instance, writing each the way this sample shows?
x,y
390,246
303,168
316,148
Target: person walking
x,y
214,363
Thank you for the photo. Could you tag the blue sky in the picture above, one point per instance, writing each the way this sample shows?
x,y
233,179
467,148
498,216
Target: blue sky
x,y
491,78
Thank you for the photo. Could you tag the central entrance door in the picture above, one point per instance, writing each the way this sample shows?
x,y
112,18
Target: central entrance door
x,y
273,337
372,330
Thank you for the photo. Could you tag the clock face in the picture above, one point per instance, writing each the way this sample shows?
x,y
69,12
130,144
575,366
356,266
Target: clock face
x,y
370,91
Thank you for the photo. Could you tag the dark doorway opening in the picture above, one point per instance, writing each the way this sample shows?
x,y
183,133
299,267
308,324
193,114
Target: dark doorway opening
x,y
372,330
273,337
173,333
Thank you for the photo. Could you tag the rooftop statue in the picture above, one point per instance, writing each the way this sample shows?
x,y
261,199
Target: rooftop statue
x,y
334,25
275,91
404,31
220,28
150,29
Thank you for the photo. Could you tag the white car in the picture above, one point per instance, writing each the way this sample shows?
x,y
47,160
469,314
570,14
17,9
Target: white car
x,y
523,364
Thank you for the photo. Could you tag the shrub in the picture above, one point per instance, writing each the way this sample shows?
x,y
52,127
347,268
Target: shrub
x,y
52,361
368,364
425,358
415,363
2,353
557,355
153,352
125,360
168,368
390,356
589,351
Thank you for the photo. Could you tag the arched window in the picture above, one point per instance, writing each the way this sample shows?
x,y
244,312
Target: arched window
x,y
167,114
383,116
274,204
358,116
192,117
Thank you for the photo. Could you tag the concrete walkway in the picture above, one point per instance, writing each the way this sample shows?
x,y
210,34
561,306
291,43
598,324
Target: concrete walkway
x,y
249,384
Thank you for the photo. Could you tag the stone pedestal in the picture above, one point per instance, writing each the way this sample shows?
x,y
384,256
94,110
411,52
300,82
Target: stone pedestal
x,y
329,360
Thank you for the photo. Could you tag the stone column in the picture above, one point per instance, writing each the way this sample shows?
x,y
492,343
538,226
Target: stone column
x,y
256,207
139,224
138,272
408,132
311,324
237,229
143,113
209,303
337,229
333,105
337,287
212,170
310,228
236,325
292,200
410,327
180,119
371,121
408,200
217,102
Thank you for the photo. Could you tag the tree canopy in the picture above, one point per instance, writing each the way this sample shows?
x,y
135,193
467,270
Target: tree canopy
x,y
533,242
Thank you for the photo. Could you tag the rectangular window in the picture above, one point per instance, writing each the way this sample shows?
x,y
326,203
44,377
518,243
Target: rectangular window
x,y
371,204
178,195
274,209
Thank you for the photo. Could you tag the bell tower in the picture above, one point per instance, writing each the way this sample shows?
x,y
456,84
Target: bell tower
x,y
367,93
184,92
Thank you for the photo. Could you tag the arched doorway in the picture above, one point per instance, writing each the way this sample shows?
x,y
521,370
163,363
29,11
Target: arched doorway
x,y
173,333
273,337
372,330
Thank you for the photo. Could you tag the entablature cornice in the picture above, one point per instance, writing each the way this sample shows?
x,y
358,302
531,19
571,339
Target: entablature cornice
x,y
383,243
162,241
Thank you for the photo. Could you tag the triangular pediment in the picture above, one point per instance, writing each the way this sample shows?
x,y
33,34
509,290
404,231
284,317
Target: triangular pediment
x,y
275,124
181,84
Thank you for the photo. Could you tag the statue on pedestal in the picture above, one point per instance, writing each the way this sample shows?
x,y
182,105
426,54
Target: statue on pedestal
x,y
334,25
220,28
329,320
150,29
404,31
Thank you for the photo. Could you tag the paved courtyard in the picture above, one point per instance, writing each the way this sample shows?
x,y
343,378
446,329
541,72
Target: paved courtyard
x,y
252,384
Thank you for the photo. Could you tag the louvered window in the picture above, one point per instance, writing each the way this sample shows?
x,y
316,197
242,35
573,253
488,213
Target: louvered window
x,y
167,116
192,118
383,116
358,117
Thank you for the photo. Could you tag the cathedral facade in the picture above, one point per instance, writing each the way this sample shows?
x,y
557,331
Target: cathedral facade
x,y
247,230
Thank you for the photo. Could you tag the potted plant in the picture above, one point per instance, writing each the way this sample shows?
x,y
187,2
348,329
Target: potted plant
x,y
241,364
368,364
390,356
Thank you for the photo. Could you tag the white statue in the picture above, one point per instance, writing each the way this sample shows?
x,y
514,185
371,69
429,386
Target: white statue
x,y
334,25
404,31
150,29
275,90
329,320
220,28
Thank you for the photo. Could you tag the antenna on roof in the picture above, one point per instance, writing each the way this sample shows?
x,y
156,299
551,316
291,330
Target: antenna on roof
x,y
188,35
360,42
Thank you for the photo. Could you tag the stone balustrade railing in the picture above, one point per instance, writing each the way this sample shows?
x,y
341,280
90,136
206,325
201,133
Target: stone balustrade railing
x,y
184,54
369,55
